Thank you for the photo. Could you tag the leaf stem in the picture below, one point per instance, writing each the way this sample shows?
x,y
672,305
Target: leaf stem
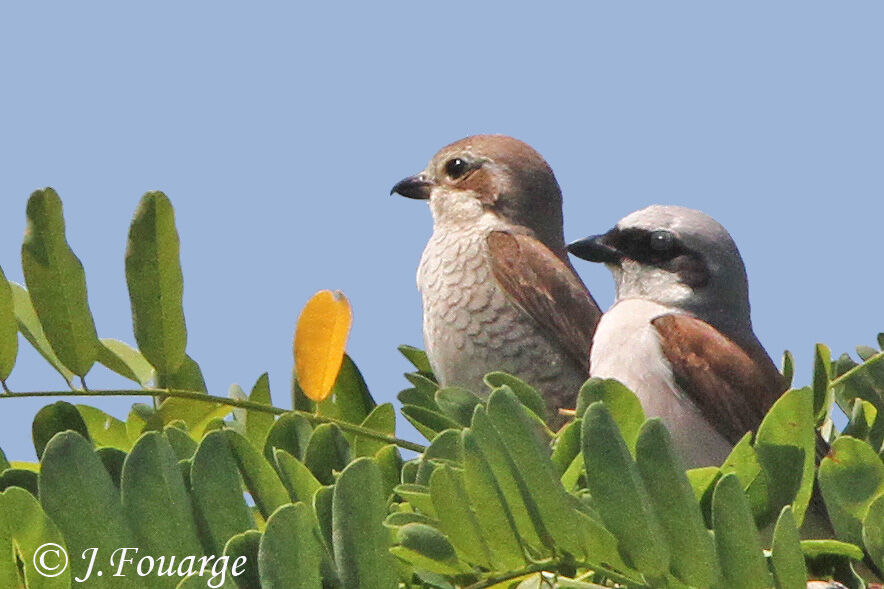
x,y
244,404
496,579
858,368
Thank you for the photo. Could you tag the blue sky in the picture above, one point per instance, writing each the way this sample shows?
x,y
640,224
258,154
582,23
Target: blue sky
x,y
277,131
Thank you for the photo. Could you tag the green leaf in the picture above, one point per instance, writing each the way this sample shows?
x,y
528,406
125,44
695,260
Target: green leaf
x,y
198,415
244,548
418,496
289,555
217,492
743,461
541,488
786,449
57,284
429,423
349,399
417,357
692,551
19,477
259,477
361,545
851,478
183,445
156,501
527,395
104,429
457,403
142,418
188,377
90,518
486,499
390,462
413,396
8,329
51,419
291,432
113,460
297,478
153,274
382,419
786,556
26,529
736,538
427,549
620,495
31,328
873,531
258,423
445,448
822,376
125,361
567,446
327,451
457,518
788,368
624,406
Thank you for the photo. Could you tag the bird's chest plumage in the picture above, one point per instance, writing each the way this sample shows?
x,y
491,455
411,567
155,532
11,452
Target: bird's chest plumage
x,y
470,327
627,347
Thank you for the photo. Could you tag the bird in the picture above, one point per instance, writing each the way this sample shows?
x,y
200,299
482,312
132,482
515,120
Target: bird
x,y
498,290
679,333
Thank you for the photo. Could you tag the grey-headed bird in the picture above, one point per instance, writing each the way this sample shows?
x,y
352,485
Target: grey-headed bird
x,y
498,290
679,332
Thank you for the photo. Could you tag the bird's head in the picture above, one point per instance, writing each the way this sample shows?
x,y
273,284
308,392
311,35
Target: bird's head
x,y
490,174
674,256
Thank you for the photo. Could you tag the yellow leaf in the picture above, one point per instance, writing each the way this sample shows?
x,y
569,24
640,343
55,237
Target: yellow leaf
x,y
320,340
31,466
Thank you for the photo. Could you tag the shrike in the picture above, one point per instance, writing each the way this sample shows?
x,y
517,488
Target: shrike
x,y
498,290
679,333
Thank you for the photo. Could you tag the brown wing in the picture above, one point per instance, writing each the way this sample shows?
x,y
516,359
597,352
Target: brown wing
x,y
733,386
548,289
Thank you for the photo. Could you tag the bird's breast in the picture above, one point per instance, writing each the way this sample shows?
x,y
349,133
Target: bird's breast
x,y
626,347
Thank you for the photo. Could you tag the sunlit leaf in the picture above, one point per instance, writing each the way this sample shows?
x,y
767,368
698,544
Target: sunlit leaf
x,y
57,284
153,274
8,329
320,341
30,327
125,361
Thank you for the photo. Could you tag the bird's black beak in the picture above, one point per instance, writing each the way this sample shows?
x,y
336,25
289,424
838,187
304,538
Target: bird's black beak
x,y
417,187
595,249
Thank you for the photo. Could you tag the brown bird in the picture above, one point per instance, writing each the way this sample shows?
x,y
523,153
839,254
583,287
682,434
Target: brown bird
x,y
498,290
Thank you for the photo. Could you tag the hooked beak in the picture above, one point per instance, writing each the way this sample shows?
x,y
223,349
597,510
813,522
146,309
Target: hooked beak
x,y
594,249
417,187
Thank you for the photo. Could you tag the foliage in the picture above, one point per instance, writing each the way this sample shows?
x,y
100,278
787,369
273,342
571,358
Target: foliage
x,y
321,497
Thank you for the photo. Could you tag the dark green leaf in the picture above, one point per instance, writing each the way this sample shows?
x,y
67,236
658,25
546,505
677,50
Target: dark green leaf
x,y
428,549
259,477
413,396
156,501
244,548
183,445
417,357
188,377
527,395
57,284
692,552
290,553
873,531
788,369
429,423
90,518
567,446
736,538
361,542
457,403
258,423
822,375
113,460
291,432
620,495
153,274
19,477
457,518
297,478
51,419
786,556
327,451
217,492
382,419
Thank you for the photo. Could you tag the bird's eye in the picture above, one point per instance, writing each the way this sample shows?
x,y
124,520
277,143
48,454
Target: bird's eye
x,y
661,241
456,167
